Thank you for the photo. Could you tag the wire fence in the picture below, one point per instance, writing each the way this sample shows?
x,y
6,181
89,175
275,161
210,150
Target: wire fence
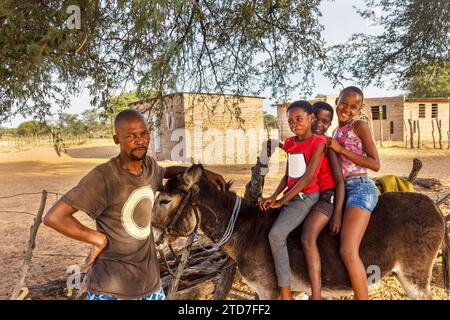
x,y
57,195
69,140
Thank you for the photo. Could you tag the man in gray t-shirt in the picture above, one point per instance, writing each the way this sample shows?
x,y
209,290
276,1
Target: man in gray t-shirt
x,y
119,195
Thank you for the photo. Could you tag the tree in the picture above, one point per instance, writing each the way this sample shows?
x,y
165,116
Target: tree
x,y
270,122
70,124
7,131
433,83
31,128
414,33
231,46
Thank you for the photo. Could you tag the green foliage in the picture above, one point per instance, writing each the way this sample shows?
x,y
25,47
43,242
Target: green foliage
x,y
32,128
433,82
270,122
230,46
7,131
412,34
122,102
70,124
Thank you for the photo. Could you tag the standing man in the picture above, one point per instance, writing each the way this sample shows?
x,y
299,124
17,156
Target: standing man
x,y
119,195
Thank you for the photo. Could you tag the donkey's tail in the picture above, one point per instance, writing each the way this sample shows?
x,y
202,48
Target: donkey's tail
x,y
446,255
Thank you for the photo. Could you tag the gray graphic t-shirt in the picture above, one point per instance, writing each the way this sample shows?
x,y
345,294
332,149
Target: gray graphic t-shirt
x,y
121,204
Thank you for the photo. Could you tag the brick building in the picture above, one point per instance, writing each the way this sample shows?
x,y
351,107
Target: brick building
x,y
199,127
388,118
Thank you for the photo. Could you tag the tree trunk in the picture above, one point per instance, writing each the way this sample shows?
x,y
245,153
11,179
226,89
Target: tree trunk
x,y
411,134
429,183
417,165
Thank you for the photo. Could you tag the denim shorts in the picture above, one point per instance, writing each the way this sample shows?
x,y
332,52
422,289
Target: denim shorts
x,y
361,192
158,295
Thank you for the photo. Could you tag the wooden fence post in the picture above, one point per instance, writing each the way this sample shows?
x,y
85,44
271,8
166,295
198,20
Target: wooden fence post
x,y
173,286
381,129
448,139
439,125
432,133
411,134
418,134
31,245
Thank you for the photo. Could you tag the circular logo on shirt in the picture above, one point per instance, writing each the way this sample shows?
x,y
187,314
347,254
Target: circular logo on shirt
x,y
128,222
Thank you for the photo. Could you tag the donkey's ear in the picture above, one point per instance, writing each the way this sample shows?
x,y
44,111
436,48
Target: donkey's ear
x,y
192,175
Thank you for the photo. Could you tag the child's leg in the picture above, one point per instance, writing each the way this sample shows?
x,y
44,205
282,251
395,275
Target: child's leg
x,y
292,215
314,224
354,225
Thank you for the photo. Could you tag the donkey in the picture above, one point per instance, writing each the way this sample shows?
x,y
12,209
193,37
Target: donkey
x,y
404,236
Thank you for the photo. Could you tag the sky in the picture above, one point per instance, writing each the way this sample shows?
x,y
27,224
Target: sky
x,y
339,19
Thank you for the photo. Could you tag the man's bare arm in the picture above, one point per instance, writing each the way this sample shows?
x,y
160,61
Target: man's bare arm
x,y
60,217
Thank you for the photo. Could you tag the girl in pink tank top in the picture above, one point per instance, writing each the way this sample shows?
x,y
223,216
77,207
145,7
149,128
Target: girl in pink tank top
x,y
350,141
357,152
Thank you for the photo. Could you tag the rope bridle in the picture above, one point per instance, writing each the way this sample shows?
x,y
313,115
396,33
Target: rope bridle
x,y
191,198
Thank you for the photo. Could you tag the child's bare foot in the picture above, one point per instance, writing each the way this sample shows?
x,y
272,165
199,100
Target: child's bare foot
x,y
285,293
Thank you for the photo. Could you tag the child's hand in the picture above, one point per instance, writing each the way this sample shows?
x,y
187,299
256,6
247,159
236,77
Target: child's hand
x,y
265,203
276,204
334,145
336,222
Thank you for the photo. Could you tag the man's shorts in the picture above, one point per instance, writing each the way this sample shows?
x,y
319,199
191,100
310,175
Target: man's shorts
x,y
158,295
325,203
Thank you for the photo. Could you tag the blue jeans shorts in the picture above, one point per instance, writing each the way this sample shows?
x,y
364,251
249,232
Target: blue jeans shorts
x,y
361,192
158,295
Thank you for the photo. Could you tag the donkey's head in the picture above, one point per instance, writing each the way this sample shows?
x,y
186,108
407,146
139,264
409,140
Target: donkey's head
x,y
173,211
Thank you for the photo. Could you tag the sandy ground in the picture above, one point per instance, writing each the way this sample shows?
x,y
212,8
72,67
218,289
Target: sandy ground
x,y
32,169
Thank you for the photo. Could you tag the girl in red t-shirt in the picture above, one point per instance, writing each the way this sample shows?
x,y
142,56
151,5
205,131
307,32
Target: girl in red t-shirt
x,y
329,207
305,153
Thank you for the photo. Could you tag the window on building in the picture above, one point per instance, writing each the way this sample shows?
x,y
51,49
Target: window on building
x,y
156,125
157,140
375,113
421,111
392,127
169,118
434,110
379,112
